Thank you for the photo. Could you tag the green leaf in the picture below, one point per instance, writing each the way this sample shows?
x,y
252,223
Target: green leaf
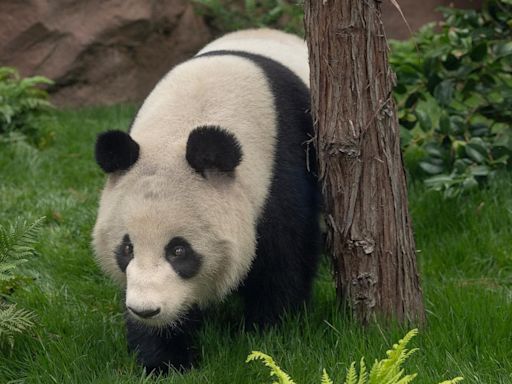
x,y
443,92
430,168
412,99
469,183
445,124
440,181
424,120
479,52
405,137
504,49
474,152
408,121
434,150
480,170
457,124
451,62
479,129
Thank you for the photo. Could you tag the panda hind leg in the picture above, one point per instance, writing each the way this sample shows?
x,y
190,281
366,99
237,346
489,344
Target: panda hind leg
x,y
280,280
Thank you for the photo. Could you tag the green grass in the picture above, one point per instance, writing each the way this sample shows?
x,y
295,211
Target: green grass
x,y
465,260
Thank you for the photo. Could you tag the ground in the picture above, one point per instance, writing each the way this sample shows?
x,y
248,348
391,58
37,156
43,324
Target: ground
x,y
464,256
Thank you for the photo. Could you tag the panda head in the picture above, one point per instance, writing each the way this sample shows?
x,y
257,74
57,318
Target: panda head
x,y
174,225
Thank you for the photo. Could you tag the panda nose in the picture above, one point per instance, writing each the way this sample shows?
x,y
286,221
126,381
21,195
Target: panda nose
x,y
146,313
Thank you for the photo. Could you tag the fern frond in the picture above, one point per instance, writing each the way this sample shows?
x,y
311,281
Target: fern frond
x,y
275,370
453,381
389,370
375,373
7,267
12,321
406,379
363,375
398,354
16,241
351,374
325,378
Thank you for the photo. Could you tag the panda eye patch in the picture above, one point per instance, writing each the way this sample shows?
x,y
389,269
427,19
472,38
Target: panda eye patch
x,y
124,253
185,261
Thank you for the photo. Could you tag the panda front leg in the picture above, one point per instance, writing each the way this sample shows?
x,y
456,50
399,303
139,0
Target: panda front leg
x,y
162,349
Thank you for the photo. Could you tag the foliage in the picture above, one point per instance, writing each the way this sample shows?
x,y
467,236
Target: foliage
x,y
23,103
385,371
231,15
16,244
455,97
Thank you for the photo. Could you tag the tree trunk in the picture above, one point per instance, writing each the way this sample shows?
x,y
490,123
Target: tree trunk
x,y
360,164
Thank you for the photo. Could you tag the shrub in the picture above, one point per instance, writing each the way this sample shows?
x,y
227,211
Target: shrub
x,y
23,103
385,371
231,15
454,96
16,244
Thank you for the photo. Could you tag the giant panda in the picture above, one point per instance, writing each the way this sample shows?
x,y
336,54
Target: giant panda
x,y
211,193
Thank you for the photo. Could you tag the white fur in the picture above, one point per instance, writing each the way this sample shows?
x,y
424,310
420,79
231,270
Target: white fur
x,y
161,196
289,50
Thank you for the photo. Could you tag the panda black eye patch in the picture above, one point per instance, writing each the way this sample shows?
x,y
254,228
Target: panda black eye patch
x,y
182,257
124,253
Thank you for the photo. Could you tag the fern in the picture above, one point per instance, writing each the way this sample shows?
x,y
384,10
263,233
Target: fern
x,y
389,371
385,371
22,104
16,244
325,378
12,321
281,376
351,374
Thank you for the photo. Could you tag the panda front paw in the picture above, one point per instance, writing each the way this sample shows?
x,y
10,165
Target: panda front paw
x,y
163,350
180,361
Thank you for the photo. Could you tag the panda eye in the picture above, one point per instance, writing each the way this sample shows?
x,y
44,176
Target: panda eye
x,y
179,251
128,250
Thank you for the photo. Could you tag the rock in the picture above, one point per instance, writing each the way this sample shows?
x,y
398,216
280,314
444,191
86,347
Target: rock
x,y
97,51
417,13
114,51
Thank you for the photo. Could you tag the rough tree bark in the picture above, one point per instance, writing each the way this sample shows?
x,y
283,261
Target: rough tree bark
x,y
360,165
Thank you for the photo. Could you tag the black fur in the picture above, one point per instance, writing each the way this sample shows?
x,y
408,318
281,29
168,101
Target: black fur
x,y
116,151
288,231
211,147
186,265
123,257
163,349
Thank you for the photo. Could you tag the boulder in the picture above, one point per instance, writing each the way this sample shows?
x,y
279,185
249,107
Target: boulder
x,y
417,13
114,51
99,51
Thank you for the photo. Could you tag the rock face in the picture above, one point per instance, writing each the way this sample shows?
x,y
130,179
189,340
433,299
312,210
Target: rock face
x,y
111,51
99,51
417,13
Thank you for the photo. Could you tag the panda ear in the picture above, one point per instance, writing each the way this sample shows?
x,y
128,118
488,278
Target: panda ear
x,y
116,151
211,147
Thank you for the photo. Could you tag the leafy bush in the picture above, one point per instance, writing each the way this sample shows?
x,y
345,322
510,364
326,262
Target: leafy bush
x,y
385,371
231,15
16,244
455,97
22,105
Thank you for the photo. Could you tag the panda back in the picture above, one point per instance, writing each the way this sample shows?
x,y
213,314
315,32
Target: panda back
x,y
251,83
288,50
